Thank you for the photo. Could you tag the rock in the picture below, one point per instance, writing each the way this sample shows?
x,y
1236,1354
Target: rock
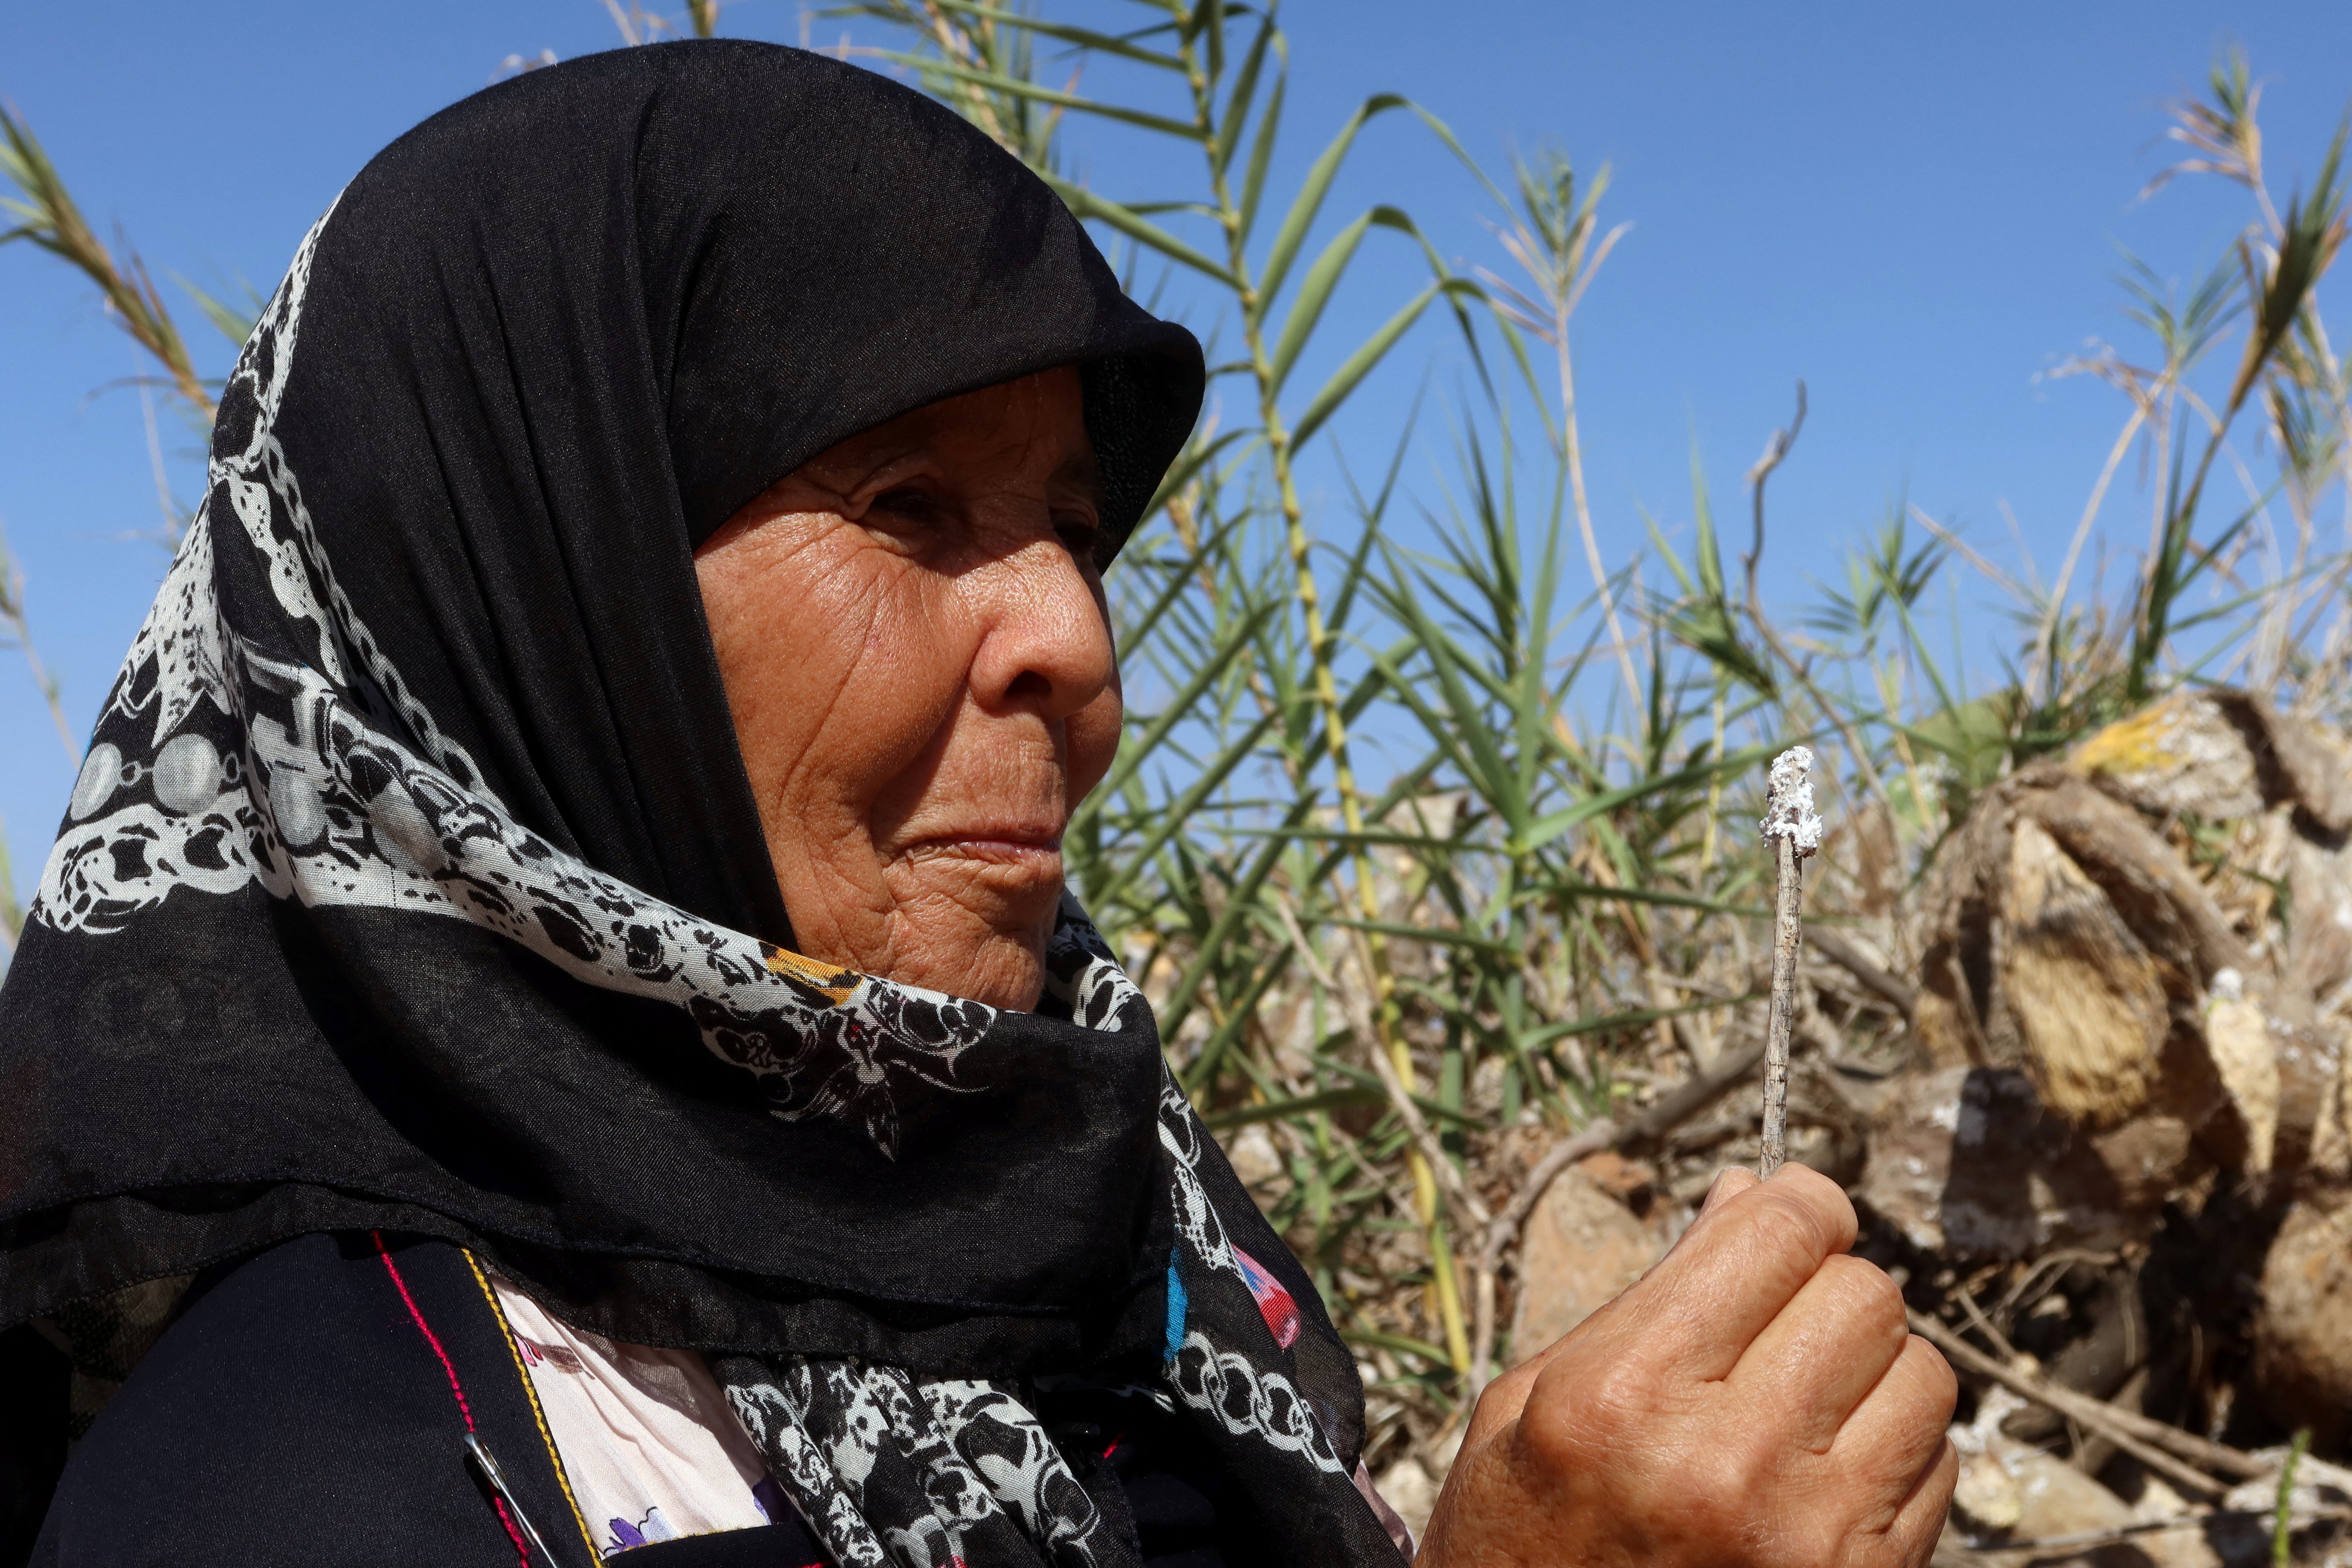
x,y
2159,894
1411,1490
2303,1332
1957,1013
1255,1158
2310,765
2222,754
2057,1500
2084,884
2319,889
2331,1137
2148,1159
1988,1494
2157,1500
2229,755
1582,1247
2012,1491
2063,934
2053,1497
2310,1056
2317,1485
1615,1174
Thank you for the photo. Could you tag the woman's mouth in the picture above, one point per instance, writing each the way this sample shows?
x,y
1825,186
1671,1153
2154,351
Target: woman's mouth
x,y
1036,850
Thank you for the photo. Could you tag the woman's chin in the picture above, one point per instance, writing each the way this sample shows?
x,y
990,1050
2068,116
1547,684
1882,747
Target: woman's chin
x,y
979,932
965,902
1004,972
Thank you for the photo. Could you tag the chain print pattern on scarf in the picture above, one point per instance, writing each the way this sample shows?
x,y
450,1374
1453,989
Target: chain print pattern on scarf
x,y
293,755
1081,974
895,1474
898,1473
1248,1398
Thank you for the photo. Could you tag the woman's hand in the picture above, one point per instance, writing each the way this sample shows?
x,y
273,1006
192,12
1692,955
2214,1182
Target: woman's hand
x,y
1756,1399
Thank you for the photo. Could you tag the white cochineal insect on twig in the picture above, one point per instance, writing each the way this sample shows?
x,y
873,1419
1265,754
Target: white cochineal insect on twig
x,y
1793,829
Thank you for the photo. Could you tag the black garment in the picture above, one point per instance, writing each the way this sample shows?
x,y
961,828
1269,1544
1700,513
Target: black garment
x,y
299,1410
414,883
1183,1502
546,340
296,1415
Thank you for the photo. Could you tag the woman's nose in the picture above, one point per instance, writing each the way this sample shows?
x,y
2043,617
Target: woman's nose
x,y
1046,645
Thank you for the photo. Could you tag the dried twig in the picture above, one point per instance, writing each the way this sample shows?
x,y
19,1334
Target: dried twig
x,y
2078,1543
2143,1438
1776,451
1984,1325
1670,1112
1897,993
1794,830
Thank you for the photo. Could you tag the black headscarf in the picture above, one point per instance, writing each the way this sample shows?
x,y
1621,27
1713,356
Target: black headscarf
x,y
414,881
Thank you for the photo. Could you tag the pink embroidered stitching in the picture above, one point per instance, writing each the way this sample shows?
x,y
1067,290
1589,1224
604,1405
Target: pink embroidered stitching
x,y
522,1553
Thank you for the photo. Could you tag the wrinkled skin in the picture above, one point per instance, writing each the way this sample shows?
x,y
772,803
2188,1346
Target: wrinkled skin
x,y
1754,1401
912,633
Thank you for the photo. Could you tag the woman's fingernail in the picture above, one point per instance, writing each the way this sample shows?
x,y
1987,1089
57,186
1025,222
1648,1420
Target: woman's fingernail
x,y
1721,1187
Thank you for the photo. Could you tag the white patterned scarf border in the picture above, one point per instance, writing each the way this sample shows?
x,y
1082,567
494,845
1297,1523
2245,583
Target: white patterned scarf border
x,y
361,800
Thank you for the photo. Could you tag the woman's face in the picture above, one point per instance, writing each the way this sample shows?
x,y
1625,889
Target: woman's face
x,y
918,657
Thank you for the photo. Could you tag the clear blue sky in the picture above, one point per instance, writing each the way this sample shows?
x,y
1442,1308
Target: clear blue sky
x,y
1915,209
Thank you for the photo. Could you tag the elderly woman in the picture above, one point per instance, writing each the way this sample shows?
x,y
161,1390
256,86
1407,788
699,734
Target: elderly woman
x,y
554,1026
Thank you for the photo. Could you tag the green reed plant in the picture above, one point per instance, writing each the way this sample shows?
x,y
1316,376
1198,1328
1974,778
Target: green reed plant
x,y
2282,258
1215,78
1533,902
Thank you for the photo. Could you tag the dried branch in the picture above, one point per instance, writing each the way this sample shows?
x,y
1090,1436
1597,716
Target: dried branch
x,y
1899,994
1794,830
2084,1541
1670,1112
1776,452
2153,1443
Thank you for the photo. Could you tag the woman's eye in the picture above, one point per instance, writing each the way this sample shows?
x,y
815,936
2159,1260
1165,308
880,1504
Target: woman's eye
x,y
1080,534
907,503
